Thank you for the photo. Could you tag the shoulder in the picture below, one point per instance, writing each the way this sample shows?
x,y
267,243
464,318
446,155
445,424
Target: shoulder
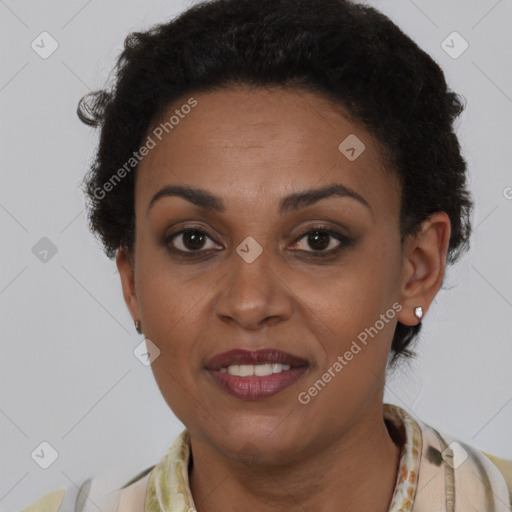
x,y
96,493
471,476
133,494
51,502
505,468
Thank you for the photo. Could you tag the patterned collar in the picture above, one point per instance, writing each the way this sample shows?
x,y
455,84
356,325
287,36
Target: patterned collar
x,y
436,472
409,465
169,481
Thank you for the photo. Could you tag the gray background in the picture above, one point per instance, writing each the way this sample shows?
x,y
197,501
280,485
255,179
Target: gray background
x,y
68,373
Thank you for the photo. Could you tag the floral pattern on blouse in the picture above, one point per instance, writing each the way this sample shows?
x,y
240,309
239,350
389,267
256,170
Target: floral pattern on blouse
x,y
407,478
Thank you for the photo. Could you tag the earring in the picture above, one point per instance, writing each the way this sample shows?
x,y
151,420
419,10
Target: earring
x,y
138,326
418,313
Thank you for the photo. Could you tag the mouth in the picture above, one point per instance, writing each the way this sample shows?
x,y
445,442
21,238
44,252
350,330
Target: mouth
x,y
255,374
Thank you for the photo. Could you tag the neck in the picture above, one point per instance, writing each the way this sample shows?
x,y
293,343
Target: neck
x,y
358,470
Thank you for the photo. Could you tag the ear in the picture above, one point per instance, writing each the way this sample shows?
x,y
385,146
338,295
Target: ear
x,y
423,266
125,266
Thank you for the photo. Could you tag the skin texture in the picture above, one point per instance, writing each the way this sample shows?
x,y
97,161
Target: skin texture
x,y
251,147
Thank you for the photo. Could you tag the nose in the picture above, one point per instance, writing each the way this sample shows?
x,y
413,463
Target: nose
x,y
253,294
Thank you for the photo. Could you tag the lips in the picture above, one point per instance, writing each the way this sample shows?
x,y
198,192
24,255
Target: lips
x,y
231,371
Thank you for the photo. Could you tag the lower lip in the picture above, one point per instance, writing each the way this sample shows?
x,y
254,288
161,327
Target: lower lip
x,y
256,388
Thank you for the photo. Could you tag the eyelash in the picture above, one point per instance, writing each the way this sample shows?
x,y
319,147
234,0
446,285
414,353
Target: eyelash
x,y
344,240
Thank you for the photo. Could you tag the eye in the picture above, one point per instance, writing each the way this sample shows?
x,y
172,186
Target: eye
x,y
189,240
323,240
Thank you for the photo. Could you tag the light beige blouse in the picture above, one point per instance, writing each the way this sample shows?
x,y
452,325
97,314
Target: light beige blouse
x,y
436,472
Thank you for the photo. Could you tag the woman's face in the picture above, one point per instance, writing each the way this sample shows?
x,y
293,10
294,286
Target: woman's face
x,y
248,276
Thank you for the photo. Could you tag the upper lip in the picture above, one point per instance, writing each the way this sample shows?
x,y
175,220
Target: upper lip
x,y
267,355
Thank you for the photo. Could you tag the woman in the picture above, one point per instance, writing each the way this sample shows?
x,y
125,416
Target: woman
x,y
282,188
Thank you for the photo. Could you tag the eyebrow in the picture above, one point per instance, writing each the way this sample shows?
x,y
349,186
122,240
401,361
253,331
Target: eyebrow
x,y
292,202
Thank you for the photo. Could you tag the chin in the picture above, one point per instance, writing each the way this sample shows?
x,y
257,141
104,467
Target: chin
x,y
263,454
265,446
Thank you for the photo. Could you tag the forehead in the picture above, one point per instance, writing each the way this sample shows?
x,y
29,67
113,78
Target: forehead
x,y
249,145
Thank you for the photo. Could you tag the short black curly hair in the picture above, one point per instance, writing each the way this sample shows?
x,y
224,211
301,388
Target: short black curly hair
x,y
350,53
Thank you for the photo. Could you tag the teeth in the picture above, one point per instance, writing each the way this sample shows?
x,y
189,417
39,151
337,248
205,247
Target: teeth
x,y
260,370
246,370
263,369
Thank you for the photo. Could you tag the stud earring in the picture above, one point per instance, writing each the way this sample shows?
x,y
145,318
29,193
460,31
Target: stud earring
x,y
418,313
138,326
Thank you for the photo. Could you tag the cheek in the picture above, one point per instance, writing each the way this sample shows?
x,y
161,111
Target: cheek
x,y
353,311
359,330
170,303
355,294
175,323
